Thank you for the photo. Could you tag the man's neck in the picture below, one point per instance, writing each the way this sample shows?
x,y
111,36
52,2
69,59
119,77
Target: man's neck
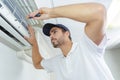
x,y
66,48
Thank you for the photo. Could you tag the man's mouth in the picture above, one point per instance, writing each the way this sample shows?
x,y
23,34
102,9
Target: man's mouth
x,y
52,40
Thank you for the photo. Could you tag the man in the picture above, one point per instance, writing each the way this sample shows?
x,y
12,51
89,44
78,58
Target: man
x,y
79,61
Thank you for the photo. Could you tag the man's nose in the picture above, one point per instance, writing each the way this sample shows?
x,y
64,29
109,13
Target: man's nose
x,y
51,36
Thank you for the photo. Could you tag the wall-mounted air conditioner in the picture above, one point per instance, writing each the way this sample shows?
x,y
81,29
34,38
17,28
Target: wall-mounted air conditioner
x,y
12,29
13,26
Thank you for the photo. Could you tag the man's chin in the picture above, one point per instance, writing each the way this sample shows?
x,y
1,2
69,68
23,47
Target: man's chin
x,y
55,46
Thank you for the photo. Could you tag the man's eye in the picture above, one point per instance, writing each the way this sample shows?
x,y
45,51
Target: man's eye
x,y
55,31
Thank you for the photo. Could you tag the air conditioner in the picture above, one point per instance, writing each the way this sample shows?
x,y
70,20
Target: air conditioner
x,y
13,24
11,30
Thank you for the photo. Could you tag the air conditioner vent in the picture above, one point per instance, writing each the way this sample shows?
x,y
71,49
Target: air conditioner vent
x,y
21,8
10,35
16,10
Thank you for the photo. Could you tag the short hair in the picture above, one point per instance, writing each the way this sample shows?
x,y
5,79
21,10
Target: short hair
x,y
69,35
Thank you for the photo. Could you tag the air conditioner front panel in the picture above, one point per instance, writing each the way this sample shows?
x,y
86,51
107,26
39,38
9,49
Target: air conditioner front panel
x,y
10,29
5,39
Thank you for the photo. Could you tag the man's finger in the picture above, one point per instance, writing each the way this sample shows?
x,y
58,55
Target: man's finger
x,y
25,37
30,29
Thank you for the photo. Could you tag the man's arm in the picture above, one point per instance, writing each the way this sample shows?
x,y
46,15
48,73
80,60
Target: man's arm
x,y
36,57
93,14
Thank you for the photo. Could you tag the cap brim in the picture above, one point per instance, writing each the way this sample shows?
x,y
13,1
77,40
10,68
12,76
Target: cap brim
x,y
47,27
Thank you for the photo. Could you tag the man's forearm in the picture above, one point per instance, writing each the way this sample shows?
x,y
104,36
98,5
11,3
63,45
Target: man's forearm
x,y
36,57
84,12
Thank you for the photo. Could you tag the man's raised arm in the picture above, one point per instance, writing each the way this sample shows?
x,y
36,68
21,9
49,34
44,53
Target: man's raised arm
x,y
93,14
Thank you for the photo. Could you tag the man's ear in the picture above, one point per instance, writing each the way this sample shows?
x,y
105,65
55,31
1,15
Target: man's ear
x,y
67,33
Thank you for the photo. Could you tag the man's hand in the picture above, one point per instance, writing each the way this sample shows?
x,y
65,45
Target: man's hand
x,y
44,14
31,39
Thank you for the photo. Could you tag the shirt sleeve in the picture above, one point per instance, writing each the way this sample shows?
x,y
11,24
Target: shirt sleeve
x,y
51,64
100,48
48,64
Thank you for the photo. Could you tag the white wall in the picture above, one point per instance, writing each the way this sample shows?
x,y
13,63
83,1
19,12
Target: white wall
x,y
112,58
12,68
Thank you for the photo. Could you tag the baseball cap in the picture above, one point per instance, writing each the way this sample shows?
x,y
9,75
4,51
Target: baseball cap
x,y
48,26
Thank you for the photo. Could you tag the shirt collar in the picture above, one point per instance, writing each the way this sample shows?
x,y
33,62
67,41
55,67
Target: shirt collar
x,y
72,49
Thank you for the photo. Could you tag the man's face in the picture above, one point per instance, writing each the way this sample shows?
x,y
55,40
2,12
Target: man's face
x,y
57,37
